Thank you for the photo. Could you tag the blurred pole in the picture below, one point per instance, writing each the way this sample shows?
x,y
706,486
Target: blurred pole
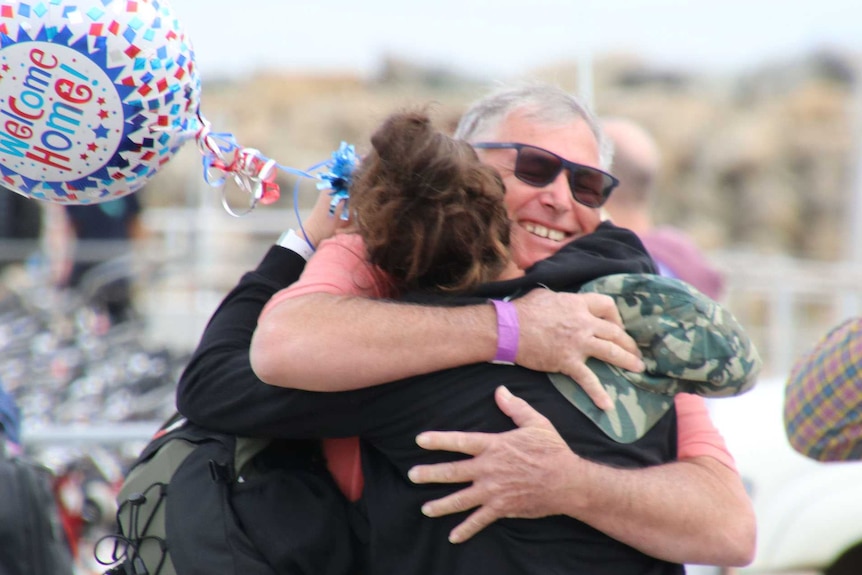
x,y
782,321
850,301
585,78
855,254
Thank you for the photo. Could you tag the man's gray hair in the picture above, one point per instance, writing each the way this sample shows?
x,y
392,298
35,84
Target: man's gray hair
x,y
546,103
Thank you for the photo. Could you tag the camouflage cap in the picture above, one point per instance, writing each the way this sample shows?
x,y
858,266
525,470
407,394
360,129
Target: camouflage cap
x,y
689,342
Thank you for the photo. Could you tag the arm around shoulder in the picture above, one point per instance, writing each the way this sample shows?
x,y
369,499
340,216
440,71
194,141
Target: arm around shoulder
x,y
218,388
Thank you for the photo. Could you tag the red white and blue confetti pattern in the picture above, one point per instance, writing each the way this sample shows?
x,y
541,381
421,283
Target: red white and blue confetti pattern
x,y
95,96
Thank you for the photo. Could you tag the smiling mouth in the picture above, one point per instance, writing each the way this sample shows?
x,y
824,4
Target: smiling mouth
x,y
543,232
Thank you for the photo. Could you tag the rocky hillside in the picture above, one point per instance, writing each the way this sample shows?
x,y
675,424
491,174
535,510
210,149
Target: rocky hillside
x,y
764,161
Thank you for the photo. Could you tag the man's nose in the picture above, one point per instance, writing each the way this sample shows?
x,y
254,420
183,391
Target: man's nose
x,y
557,194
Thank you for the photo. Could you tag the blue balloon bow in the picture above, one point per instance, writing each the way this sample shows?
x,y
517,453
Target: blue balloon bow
x,y
339,177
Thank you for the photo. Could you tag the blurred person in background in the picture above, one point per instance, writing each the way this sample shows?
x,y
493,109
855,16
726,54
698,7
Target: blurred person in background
x,y
10,423
30,508
823,398
91,251
20,227
637,163
356,339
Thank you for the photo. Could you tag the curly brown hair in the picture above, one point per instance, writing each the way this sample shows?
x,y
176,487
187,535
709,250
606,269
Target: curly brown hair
x,y
430,213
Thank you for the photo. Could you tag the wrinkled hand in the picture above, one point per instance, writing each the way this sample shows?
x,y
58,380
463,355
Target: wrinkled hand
x,y
513,474
559,331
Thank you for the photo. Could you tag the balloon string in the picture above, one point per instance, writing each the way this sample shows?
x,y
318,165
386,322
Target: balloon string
x,y
296,204
252,172
255,174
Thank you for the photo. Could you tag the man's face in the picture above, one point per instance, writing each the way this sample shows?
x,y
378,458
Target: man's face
x,y
543,219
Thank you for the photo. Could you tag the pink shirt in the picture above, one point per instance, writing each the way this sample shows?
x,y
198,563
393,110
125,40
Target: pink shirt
x,y
340,267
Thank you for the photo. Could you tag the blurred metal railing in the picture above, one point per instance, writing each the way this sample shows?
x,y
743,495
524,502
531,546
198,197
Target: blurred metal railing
x,y
785,303
82,435
194,255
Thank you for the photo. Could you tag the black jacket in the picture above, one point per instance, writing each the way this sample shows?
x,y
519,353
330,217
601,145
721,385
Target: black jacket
x,y
388,417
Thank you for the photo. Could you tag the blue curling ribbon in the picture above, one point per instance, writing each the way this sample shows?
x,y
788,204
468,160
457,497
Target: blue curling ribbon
x,y
337,176
338,179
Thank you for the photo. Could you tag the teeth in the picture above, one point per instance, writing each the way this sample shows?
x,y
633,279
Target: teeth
x,y
543,232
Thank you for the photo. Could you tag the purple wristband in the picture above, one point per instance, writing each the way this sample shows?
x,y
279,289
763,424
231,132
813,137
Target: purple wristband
x,y
507,332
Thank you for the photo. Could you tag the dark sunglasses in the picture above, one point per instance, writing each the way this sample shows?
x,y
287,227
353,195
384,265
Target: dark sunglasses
x,y
539,167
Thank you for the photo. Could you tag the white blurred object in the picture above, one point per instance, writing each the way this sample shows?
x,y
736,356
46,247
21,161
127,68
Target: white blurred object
x,y
702,570
809,514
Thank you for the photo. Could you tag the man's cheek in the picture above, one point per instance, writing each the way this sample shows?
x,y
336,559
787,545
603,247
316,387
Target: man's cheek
x,y
588,218
527,249
521,252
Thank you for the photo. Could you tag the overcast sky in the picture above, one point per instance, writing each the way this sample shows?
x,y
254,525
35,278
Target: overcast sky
x,y
505,38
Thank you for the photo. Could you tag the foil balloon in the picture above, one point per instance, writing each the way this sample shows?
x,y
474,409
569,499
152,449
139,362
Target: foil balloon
x,y
95,96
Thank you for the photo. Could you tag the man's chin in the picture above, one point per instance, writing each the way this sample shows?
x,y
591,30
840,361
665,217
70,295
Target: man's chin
x,y
531,252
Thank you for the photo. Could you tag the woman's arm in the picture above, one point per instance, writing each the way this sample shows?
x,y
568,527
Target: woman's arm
x,y
218,388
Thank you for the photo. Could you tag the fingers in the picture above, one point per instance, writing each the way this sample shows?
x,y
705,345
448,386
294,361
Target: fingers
x,y
320,224
591,385
614,352
611,327
477,521
521,412
462,500
603,306
470,443
559,328
457,502
449,472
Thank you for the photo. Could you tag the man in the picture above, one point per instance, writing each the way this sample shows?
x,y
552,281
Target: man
x,y
636,163
20,227
94,244
10,423
693,510
823,403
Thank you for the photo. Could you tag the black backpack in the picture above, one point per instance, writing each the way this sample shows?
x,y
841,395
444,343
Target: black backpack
x,y
198,502
31,536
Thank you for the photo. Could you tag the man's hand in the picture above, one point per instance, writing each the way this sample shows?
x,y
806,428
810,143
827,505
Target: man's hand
x,y
559,331
690,511
513,474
